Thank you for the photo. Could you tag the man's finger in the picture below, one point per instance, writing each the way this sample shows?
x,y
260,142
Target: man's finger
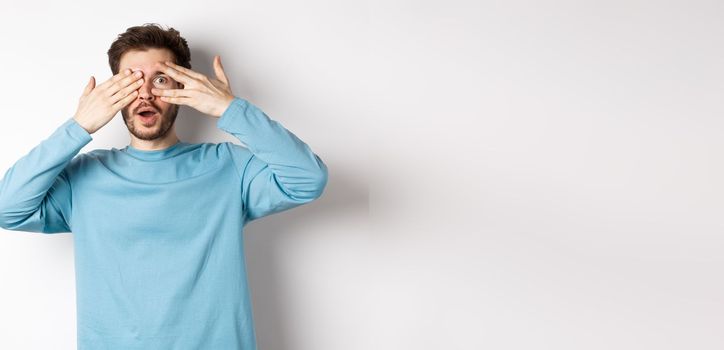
x,y
104,85
127,90
178,100
132,79
90,86
177,75
219,71
189,72
125,101
174,92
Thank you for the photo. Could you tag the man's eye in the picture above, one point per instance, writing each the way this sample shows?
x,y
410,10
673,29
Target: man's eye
x,y
161,80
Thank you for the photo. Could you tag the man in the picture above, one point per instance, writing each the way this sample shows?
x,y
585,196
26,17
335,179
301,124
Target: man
x,y
157,225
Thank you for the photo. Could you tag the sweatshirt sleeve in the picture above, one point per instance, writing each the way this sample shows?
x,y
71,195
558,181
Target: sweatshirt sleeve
x,y
35,193
278,171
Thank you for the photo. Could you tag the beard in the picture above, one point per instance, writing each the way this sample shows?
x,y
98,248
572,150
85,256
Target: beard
x,y
158,130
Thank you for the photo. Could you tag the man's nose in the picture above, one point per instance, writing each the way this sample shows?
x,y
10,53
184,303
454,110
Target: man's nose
x,y
144,92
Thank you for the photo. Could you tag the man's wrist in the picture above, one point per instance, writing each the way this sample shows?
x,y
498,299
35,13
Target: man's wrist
x,y
88,129
224,106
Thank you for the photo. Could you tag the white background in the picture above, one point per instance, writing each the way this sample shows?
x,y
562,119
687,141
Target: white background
x,y
503,174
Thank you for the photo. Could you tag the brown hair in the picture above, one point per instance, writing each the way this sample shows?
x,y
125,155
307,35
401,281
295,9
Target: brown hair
x,y
147,36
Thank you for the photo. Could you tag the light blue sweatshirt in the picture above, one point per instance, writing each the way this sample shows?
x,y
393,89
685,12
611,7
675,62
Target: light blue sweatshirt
x,y
158,235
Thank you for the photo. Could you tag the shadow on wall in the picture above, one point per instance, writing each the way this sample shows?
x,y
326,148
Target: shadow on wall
x,y
343,196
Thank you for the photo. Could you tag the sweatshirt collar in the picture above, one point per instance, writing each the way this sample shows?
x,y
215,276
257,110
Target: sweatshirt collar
x,y
155,154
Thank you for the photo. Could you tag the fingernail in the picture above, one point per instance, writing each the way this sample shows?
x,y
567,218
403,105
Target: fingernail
x,y
138,73
127,71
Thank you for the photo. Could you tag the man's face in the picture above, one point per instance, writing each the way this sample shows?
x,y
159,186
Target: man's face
x,y
158,124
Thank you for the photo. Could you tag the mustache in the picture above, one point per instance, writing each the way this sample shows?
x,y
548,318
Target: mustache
x,y
147,106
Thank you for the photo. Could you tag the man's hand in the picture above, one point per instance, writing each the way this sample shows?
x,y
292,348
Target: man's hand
x,y
99,104
208,96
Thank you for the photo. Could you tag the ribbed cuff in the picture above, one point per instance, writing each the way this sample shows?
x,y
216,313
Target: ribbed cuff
x,y
236,107
75,131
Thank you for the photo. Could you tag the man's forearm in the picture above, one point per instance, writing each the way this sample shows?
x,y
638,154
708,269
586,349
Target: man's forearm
x,y
25,184
297,169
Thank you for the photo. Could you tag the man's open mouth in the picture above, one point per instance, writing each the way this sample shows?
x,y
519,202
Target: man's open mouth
x,y
148,117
